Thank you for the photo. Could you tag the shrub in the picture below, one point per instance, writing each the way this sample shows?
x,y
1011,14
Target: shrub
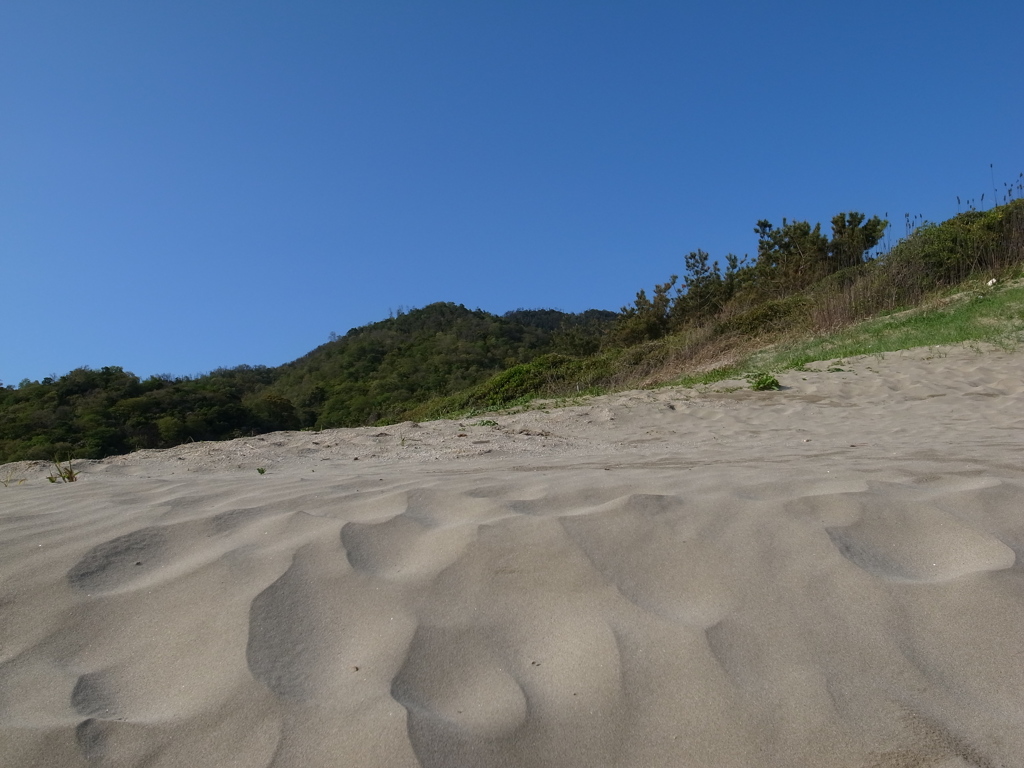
x,y
771,316
763,382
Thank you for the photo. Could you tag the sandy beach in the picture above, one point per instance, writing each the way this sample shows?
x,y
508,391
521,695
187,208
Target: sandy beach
x,y
826,575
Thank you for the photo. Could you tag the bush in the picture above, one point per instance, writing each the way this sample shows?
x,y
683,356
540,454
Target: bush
x,y
975,241
763,382
771,316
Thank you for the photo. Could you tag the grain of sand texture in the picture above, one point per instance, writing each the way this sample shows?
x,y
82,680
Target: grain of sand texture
x,y
827,575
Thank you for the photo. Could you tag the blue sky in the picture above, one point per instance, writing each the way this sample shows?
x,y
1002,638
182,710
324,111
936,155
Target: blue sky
x,y
190,184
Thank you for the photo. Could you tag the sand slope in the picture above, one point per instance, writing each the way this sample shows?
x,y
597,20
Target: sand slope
x,y
822,576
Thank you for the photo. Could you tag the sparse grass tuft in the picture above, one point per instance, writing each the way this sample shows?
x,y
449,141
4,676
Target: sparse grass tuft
x,y
8,478
65,474
708,377
763,382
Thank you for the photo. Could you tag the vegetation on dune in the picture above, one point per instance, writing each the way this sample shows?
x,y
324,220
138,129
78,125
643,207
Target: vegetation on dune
x,y
807,295
993,315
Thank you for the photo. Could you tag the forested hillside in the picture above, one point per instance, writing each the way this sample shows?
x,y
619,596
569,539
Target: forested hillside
x,y
370,374
378,372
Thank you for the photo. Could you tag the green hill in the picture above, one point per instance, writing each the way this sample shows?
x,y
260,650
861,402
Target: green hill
x,y
374,373
808,294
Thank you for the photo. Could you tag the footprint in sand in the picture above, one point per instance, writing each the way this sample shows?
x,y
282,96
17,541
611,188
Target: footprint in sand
x,y
110,564
128,561
93,697
404,547
918,544
450,681
679,580
305,642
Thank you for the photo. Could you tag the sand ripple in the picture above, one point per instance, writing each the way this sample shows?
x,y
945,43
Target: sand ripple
x,y
821,576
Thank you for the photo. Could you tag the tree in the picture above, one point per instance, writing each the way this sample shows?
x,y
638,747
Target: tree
x,y
789,258
795,255
853,237
703,287
707,289
647,318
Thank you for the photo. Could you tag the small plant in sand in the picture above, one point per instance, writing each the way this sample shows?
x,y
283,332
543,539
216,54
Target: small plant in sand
x,y
64,474
762,382
261,470
8,477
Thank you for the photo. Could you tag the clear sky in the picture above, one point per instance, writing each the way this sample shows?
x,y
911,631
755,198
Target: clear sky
x,y
188,184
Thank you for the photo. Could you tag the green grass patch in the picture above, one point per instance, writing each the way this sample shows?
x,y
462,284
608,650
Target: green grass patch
x,y
993,317
704,378
990,316
763,382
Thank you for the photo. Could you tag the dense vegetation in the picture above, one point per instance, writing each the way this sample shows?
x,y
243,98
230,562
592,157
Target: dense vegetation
x,y
374,373
381,371
445,359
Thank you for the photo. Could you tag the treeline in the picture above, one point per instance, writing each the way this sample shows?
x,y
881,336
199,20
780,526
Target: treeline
x,y
95,413
789,259
445,358
373,373
804,280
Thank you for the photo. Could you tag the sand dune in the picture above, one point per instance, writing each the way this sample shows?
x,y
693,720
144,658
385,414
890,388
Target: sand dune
x,y
826,575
